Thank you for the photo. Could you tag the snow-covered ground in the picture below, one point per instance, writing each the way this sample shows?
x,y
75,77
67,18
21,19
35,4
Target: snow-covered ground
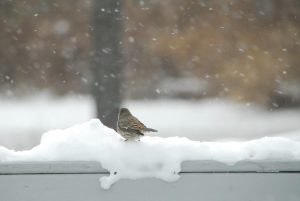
x,y
22,121
216,120
155,157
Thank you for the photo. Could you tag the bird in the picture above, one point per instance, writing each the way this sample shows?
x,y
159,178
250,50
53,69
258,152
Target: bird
x,y
129,127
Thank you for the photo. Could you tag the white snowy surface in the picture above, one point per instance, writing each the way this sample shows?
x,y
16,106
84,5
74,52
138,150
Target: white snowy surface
x,y
23,120
151,157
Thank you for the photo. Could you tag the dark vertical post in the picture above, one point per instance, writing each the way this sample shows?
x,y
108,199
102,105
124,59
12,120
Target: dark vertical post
x,y
107,59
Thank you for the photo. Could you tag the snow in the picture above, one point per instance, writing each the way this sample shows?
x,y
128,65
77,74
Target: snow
x,y
23,120
61,27
212,120
153,156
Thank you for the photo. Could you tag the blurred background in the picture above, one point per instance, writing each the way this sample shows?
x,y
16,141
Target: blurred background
x,y
203,69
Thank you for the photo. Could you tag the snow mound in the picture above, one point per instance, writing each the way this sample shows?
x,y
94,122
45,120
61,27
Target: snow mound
x,y
151,157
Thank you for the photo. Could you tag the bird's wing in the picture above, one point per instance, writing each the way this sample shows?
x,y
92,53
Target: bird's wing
x,y
136,124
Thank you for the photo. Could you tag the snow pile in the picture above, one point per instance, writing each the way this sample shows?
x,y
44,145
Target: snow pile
x,y
23,120
151,157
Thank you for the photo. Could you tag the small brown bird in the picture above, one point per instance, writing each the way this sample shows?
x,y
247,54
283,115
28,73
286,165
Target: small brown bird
x,y
129,127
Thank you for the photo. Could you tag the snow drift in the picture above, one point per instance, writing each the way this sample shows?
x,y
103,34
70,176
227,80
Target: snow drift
x,y
151,157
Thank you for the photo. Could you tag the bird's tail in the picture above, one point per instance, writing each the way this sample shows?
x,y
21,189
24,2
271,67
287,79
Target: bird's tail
x,y
149,130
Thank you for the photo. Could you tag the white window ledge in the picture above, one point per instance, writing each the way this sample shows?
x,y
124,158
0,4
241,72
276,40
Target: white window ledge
x,y
200,180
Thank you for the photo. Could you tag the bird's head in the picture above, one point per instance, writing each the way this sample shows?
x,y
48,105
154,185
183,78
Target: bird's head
x,y
124,112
